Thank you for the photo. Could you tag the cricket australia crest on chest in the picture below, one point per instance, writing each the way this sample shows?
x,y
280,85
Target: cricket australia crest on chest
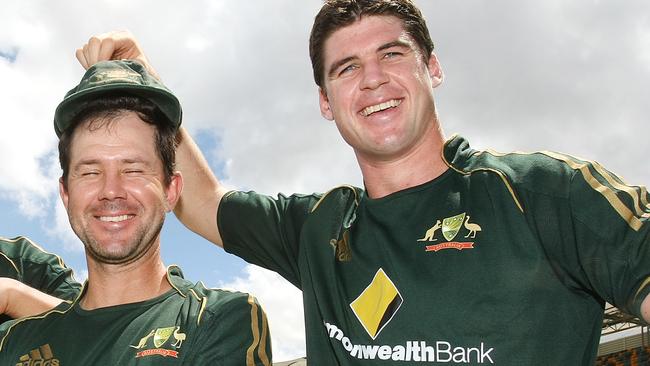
x,y
165,342
454,232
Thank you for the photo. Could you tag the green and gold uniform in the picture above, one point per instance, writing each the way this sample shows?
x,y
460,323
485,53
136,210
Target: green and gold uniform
x,y
23,260
504,259
188,325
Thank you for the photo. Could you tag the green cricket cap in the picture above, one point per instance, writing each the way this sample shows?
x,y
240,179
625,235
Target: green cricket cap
x,y
111,77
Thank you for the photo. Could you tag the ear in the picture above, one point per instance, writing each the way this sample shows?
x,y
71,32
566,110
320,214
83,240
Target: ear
x,y
324,103
63,193
435,70
174,190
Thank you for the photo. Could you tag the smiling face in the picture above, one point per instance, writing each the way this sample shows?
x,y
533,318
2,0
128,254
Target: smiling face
x,y
379,88
115,195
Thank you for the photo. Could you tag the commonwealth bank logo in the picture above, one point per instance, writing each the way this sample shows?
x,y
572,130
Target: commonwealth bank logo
x,y
160,337
377,304
41,356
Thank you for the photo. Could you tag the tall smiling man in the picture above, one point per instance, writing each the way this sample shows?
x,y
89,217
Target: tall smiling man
x,y
449,255
117,133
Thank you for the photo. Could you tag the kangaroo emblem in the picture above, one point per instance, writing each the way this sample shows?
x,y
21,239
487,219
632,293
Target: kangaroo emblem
x,y
429,235
143,340
473,228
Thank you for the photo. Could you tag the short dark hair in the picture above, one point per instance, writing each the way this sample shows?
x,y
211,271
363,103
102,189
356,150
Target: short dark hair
x,y
336,14
104,110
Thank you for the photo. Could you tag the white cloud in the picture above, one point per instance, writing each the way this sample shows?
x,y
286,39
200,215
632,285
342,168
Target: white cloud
x,y
283,305
643,34
197,43
81,275
62,230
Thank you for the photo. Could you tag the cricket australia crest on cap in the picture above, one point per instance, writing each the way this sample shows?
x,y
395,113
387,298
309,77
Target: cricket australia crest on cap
x,y
115,76
449,227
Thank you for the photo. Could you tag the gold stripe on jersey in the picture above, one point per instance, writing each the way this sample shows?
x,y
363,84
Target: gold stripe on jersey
x,y
255,328
496,171
643,285
19,238
196,296
633,219
204,303
13,264
261,351
639,199
202,299
171,283
250,357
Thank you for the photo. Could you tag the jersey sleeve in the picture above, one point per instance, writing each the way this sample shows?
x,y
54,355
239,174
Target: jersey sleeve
x,y
613,235
595,229
233,333
23,260
264,230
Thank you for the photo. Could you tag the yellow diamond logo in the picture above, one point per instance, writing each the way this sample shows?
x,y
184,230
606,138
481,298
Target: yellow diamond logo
x,y
377,304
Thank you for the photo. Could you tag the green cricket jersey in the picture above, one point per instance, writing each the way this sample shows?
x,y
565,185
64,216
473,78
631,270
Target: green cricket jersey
x,y
504,259
23,260
188,325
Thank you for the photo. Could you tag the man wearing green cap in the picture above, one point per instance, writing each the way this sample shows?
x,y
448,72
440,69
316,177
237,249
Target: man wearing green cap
x,y
117,133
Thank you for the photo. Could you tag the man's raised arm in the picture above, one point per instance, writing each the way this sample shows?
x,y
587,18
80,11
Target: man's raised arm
x,y
18,300
202,192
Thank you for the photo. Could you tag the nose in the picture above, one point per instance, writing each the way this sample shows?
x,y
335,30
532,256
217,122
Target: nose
x,y
373,75
112,187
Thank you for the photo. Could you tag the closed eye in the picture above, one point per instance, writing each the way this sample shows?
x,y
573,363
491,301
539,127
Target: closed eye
x,y
392,54
347,69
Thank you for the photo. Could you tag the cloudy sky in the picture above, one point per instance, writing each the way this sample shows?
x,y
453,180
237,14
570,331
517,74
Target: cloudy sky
x,y
555,75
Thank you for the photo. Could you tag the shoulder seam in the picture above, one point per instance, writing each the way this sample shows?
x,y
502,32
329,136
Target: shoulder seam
x,y
354,190
499,173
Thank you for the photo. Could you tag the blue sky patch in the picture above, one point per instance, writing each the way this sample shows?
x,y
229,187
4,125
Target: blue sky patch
x,y
9,54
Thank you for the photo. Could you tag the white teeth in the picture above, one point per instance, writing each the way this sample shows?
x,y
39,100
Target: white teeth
x,y
380,107
113,218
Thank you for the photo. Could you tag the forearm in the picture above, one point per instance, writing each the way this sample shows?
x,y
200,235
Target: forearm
x,y
202,192
19,300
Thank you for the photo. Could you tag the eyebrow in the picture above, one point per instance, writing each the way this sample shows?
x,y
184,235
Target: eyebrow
x,y
88,162
397,43
335,66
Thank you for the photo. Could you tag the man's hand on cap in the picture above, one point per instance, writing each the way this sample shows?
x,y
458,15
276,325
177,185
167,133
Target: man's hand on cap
x,y
115,45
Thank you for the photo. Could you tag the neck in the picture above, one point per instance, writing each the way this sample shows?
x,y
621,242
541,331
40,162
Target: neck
x,y
421,164
110,285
